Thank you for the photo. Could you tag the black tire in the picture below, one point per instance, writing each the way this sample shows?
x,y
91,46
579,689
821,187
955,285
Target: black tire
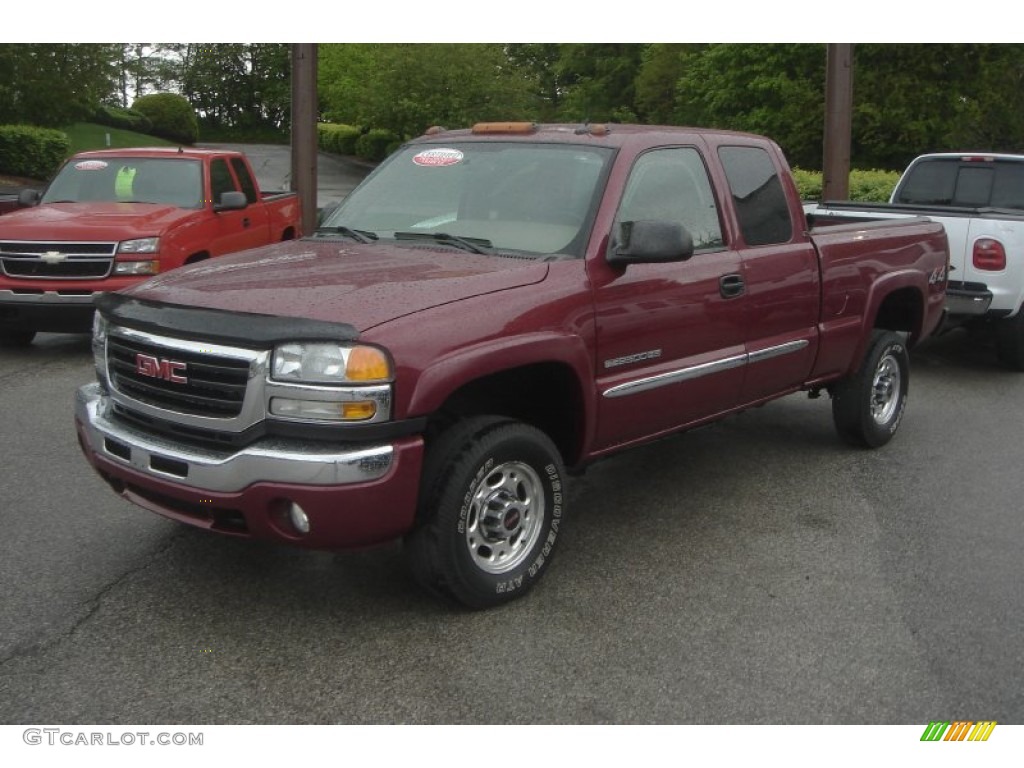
x,y
867,407
486,560
1010,341
16,337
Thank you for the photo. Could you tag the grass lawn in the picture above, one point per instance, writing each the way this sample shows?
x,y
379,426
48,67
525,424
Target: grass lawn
x,y
85,136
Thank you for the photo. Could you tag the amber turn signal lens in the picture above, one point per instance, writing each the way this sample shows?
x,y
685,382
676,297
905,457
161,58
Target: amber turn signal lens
x,y
367,364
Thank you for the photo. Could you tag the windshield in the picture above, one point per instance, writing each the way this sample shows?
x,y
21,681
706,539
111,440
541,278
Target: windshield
x,y
518,197
176,182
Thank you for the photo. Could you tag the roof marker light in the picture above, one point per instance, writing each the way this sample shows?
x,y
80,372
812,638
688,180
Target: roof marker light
x,y
520,128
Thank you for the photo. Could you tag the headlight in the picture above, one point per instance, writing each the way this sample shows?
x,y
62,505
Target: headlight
x,y
136,267
326,363
99,346
142,245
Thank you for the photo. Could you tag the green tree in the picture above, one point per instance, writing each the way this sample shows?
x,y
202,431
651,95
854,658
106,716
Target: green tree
x,y
53,84
538,65
407,87
777,90
661,67
603,81
230,85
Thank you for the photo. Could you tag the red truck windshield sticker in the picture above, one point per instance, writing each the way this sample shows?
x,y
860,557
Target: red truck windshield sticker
x,y
90,165
436,158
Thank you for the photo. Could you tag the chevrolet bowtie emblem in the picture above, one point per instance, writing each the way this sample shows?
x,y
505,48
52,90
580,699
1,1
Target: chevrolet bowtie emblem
x,y
53,257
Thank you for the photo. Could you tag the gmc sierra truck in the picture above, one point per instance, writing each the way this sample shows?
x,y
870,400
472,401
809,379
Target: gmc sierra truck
x,y
979,199
110,219
489,309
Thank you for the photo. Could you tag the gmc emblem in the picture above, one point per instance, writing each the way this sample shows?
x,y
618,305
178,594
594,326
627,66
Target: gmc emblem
x,y
155,368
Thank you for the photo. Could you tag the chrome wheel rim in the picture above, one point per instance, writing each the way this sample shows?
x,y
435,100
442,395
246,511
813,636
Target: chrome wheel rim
x,y
506,515
885,389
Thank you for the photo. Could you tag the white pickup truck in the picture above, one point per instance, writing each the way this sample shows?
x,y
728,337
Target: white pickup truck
x,y
979,199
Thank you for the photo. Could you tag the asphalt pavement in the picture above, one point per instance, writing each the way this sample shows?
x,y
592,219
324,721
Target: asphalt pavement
x,y
755,571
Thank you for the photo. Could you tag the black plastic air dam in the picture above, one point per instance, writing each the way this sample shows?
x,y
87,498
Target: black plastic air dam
x,y
217,326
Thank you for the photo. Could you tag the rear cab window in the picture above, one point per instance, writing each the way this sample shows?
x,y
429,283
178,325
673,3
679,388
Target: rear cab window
x,y
973,182
758,196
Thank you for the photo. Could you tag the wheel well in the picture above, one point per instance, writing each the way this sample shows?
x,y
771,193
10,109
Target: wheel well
x,y
902,310
545,395
201,256
289,234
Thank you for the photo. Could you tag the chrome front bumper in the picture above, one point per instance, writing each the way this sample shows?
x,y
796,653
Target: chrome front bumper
x,y
271,460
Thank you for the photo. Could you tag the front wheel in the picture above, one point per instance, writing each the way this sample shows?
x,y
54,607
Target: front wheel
x,y
868,406
492,506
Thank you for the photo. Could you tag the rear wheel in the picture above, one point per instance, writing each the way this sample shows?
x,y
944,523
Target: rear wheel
x,y
16,337
491,509
867,407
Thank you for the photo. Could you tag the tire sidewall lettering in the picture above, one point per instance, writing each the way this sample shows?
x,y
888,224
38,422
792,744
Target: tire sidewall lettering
x,y
467,499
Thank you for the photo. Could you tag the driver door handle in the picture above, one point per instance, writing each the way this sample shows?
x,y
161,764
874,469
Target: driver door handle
x,y
731,286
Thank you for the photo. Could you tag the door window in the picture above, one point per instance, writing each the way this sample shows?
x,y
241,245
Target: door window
x,y
673,185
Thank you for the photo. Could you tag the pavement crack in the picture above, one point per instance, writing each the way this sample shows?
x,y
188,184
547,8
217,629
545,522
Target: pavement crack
x,y
93,605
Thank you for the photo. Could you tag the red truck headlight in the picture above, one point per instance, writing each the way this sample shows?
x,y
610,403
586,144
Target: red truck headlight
x,y
142,245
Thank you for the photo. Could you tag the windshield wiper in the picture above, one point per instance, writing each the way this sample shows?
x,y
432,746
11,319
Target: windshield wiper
x,y
471,244
359,235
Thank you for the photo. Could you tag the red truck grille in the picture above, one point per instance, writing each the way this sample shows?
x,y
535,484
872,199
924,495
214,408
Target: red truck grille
x,y
56,260
196,384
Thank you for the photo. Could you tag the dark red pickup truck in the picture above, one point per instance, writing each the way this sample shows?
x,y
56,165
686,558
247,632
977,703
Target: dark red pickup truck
x,y
489,308
112,218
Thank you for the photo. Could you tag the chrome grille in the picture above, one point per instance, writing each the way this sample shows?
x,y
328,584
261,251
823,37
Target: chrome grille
x,y
215,385
56,260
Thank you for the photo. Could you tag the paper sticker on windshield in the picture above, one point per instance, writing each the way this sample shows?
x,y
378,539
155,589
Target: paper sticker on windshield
x,y
90,165
436,158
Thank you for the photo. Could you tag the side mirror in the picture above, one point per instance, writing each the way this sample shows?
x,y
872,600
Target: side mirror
x,y
28,197
650,242
231,201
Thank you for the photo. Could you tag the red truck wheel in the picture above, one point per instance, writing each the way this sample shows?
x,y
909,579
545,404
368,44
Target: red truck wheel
x,y
867,407
492,508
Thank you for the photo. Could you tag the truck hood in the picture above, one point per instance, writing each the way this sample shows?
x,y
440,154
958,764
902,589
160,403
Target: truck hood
x,y
362,285
91,221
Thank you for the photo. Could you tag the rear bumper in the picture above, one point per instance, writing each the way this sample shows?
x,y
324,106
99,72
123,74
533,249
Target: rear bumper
x,y
968,300
353,495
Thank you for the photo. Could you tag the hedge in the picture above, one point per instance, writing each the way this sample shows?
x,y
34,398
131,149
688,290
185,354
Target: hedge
x,y
865,186
34,153
172,116
373,145
337,138
128,119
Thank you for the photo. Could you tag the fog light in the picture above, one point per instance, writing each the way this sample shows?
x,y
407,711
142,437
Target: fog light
x,y
298,518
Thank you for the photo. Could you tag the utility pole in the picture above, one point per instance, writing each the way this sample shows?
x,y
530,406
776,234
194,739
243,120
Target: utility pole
x,y
304,140
838,121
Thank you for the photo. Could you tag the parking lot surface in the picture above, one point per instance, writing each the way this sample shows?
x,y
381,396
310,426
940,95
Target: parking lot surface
x,y
755,571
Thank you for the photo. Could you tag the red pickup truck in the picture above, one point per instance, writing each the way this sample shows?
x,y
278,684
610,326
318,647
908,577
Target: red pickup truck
x,y
112,218
489,308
